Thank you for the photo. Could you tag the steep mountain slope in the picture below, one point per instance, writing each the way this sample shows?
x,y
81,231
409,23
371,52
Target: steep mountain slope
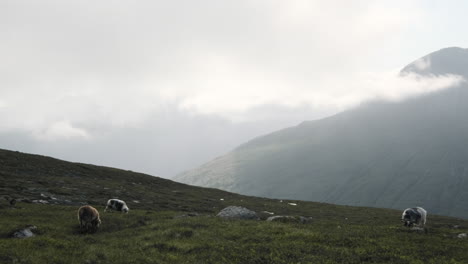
x,y
380,154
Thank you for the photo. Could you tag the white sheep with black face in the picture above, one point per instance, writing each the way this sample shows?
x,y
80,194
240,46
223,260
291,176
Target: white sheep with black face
x,y
117,205
414,216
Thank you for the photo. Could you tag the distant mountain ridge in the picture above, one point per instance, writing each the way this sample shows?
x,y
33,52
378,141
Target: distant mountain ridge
x,y
380,154
445,61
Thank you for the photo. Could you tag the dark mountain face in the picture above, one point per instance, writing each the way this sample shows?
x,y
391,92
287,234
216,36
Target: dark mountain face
x,y
395,155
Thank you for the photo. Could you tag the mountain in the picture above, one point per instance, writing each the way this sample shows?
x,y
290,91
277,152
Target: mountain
x,y
380,154
445,61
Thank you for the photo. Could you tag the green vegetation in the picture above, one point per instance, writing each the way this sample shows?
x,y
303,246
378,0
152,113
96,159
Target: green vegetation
x,y
150,236
158,230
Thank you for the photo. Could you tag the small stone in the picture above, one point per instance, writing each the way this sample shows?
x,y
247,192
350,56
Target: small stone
x,y
23,233
462,235
40,201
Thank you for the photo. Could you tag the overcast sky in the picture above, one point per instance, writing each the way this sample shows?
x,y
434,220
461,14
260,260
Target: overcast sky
x,y
163,86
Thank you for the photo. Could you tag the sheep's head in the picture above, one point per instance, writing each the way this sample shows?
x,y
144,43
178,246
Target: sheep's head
x,y
406,219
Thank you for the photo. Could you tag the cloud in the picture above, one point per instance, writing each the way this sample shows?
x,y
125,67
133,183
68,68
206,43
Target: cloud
x,y
234,90
62,130
84,73
410,85
423,64
119,63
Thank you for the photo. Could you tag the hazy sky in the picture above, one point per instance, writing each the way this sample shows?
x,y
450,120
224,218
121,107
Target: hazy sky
x,y
162,86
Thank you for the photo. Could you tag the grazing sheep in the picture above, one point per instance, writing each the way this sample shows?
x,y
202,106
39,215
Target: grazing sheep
x,y
414,216
89,218
117,205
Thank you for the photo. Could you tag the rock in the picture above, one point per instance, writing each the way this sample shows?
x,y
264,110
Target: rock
x,y
289,219
40,201
462,235
237,212
48,196
23,233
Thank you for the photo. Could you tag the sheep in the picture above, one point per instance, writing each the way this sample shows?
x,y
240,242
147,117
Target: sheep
x,y
117,205
414,216
88,217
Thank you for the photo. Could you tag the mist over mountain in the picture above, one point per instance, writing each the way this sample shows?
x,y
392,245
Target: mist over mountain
x,y
382,154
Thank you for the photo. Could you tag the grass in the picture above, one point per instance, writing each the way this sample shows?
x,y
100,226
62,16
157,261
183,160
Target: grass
x,y
149,236
155,230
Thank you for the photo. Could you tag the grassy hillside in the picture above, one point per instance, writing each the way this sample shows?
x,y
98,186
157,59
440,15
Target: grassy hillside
x,y
158,230
381,154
